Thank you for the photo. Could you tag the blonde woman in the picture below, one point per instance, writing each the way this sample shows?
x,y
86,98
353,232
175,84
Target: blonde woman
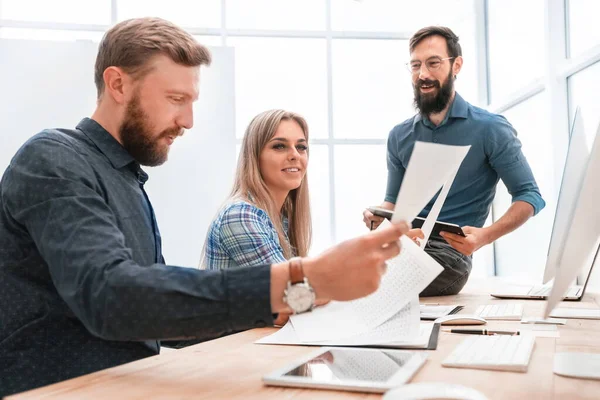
x,y
267,216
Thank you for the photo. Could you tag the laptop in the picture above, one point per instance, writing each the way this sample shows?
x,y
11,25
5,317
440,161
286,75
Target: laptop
x,y
541,292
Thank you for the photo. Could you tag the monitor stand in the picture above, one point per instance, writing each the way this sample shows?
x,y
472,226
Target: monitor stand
x,y
577,365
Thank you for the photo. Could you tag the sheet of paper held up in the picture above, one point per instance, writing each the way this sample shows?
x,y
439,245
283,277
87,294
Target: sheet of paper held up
x,y
432,166
407,275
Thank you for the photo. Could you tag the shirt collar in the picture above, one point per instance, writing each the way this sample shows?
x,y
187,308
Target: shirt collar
x,y
458,109
106,143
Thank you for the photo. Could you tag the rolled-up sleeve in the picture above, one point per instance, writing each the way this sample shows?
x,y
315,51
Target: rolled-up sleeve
x,y
52,193
506,157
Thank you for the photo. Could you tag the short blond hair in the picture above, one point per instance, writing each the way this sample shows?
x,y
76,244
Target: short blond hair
x,y
131,44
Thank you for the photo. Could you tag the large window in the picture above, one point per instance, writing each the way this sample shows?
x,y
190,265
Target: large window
x,y
339,63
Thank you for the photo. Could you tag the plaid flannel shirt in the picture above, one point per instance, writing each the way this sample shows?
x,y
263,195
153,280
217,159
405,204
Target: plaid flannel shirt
x,y
243,235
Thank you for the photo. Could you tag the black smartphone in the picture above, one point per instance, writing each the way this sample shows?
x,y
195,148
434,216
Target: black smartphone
x,y
439,227
381,212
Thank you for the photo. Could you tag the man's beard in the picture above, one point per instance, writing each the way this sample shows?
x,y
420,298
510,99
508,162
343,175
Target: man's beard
x,y
137,139
430,103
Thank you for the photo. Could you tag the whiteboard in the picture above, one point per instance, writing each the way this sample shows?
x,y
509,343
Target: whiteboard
x,y
47,84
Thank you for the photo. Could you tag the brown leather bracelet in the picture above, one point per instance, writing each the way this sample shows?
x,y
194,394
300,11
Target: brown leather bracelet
x,y
296,270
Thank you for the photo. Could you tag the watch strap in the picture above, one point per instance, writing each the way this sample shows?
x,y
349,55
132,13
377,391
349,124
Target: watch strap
x,y
296,270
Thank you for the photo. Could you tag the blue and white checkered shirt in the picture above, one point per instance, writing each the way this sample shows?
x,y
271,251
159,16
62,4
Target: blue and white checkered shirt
x,y
242,235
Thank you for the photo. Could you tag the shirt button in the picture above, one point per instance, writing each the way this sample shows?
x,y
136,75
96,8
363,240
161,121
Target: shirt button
x,y
260,324
435,140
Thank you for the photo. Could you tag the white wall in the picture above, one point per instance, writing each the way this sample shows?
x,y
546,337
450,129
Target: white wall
x,y
50,84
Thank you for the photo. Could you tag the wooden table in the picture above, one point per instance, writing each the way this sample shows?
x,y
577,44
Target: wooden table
x,y
232,367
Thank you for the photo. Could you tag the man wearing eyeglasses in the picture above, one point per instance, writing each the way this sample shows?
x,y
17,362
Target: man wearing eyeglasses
x,y
445,117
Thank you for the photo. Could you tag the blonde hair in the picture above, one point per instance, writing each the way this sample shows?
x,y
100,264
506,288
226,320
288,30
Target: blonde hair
x,y
250,186
131,44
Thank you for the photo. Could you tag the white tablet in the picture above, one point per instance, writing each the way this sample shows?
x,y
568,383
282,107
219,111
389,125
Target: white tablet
x,y
345,368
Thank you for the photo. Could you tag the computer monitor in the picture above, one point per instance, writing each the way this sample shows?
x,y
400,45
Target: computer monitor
x,y
583,232
573,173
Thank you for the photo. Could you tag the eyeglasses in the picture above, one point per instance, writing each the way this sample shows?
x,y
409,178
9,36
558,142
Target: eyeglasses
x,y
432,64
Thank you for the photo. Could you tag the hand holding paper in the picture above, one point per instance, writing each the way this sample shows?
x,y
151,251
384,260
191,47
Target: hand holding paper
x,y
391,311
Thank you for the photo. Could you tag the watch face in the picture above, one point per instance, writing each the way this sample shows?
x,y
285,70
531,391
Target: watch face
x,y
300,298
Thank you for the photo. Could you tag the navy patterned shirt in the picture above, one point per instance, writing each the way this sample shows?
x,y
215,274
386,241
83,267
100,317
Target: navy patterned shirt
x,y
83,285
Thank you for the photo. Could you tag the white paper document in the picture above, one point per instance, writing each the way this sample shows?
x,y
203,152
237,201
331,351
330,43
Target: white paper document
x,y
287,336
431,166
407,275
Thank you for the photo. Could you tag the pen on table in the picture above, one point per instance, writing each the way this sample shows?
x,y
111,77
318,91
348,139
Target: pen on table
x,y
481,332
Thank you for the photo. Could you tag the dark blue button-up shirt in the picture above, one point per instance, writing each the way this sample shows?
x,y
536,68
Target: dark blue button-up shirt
x,y
83,285
495,154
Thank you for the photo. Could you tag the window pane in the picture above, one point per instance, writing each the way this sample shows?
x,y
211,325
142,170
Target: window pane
x,y
276,14
516,45
360,181
397,16
523,252
372,90
202,14
209,40
583,92
583,28
48,34
65,11
318,179
281,73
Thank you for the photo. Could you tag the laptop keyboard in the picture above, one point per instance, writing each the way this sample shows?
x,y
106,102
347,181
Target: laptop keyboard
x,y
545,291
506,311
499,352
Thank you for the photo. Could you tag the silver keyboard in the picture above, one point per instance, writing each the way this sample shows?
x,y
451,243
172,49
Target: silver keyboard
x,y
498,352
505,311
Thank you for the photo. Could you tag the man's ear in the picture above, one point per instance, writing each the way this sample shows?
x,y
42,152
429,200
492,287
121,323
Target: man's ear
x,y
114,84
457,65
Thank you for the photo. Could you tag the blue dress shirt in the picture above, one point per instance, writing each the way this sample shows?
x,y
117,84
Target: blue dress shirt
x,y
495,154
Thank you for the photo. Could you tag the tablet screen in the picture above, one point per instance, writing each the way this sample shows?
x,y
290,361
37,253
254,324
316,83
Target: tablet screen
x,y
344,364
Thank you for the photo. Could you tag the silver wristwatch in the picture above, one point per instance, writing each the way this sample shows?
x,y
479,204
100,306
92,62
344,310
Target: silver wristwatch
x,y
299,295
